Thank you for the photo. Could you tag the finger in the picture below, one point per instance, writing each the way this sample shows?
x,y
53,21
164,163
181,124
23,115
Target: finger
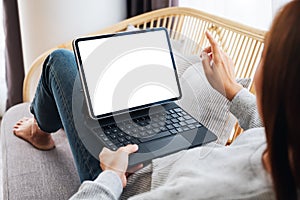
x,y
206,63
207,49
104,151
214,46
124,180
211,39
130,148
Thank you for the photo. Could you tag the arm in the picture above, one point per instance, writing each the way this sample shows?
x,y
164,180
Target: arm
x,y
218,68
107,186
243,107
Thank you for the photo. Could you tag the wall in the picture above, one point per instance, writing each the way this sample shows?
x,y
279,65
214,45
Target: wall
x,y
255,13
277,4
47,23
3,89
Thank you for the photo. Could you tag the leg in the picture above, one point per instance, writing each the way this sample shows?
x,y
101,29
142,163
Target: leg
x,y
52,108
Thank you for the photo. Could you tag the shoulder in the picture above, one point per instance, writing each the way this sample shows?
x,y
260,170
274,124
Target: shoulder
x,y
250,136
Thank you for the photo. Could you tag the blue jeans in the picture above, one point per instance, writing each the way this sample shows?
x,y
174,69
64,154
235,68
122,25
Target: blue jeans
x,y
52,107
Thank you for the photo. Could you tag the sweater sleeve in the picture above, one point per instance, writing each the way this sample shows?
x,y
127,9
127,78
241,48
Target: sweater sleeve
x,y
107,186
243,107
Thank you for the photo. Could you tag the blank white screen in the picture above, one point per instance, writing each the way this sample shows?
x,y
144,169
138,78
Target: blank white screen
x,y
128,71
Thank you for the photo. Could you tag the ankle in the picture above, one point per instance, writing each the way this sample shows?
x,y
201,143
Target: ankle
x,y
38,130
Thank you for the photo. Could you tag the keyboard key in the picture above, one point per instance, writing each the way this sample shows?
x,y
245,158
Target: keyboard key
x,y
129,126
107,127
110,144
155,125
135,141
143,123
168,117
155,119
182,123
113,136
170,127
121,139
162,118
135,130
135,125
105,139
128,137
142,134
126,143
198,125
120,134
190,121
181,119
113,125
141,128
174,120
191,126
187,117
156,130
148,127
186,128
118,145
163,128
173,131
122,128
114,148
176,125
101,134
150,132
114,130
174,115
179,130
178,109
161,124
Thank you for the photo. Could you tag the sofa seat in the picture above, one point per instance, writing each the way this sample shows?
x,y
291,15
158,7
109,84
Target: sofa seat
x,y
29,173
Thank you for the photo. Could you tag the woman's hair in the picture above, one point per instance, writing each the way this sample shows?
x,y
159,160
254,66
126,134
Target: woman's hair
x,y
281,99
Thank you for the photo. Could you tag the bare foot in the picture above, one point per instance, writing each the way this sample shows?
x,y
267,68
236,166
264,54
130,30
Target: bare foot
x,y
28,130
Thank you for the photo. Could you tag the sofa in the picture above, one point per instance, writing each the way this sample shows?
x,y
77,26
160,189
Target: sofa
x,y
32,174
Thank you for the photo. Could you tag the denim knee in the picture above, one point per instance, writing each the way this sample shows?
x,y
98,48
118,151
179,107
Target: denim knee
x,y
62,62
61,59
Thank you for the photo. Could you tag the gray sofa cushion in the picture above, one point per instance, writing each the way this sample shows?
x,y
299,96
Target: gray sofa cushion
x,y
29,173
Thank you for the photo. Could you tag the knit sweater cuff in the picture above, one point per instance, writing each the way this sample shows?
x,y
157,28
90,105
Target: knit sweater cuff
x,y
111,181
243,107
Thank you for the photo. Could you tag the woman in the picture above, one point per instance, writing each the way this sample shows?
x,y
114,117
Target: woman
x,y
259,163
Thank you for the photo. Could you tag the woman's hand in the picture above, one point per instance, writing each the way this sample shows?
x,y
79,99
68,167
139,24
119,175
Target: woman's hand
x,y
218,68
117,161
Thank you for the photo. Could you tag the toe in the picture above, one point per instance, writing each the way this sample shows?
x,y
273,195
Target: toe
x,y
23,119
19,123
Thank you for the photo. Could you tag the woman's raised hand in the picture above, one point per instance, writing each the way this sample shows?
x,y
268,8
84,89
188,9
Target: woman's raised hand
x,y
219,69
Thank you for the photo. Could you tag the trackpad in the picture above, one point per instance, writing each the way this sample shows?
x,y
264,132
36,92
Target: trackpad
x,y
168,145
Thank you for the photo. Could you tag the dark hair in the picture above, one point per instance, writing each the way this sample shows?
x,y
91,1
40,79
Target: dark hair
x,y
281,99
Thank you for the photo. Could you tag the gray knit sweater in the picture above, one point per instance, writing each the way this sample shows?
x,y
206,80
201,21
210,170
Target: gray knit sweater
x,y
209,172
